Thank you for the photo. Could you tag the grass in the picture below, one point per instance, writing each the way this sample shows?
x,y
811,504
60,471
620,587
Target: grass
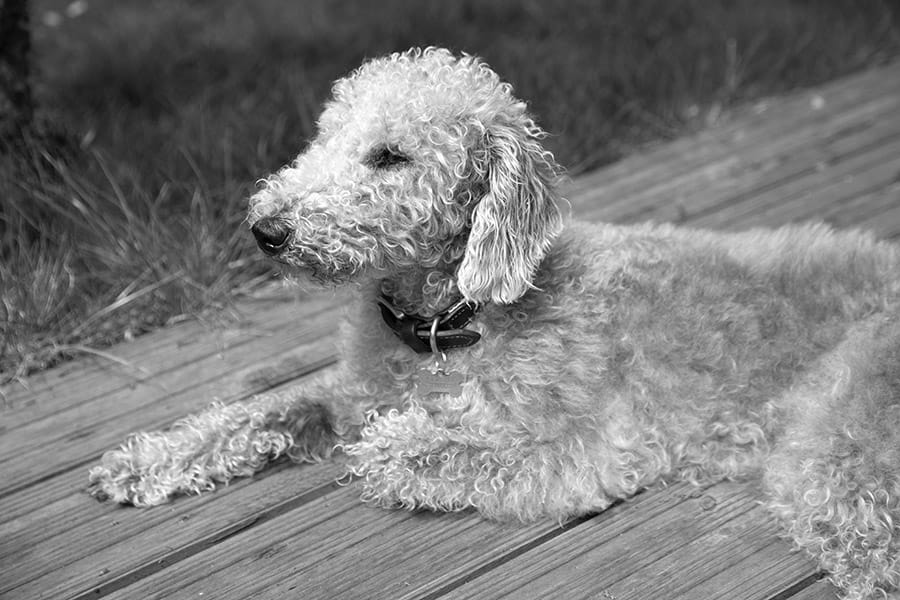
x,y
157,118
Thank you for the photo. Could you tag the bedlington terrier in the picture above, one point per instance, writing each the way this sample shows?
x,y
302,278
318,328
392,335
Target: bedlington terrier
x,y
501,356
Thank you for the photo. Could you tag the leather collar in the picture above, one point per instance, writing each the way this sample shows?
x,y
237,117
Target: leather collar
x,y
444,331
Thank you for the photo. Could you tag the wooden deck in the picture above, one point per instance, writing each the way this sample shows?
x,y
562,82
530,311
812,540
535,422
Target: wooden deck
x,y
831,154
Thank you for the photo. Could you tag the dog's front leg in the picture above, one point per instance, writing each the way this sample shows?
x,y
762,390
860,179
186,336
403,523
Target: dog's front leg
x,y
411,460
227,441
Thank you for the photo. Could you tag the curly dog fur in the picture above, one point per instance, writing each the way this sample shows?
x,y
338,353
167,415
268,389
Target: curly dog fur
x,y
611,357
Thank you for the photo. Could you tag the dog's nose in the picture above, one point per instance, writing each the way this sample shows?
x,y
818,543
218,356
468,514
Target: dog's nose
x,y
271,234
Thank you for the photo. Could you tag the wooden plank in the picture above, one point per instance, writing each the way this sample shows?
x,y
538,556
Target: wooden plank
x,y
885,223
666,546
801,178
360,552
69,385
873,168
58,505
120,545
759,125
852,212
761,568
734,160
104,423
872,181
740,176
65,492
28,517
102,375
95,412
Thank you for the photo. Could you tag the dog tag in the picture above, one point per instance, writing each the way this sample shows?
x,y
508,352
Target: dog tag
x,y
437,381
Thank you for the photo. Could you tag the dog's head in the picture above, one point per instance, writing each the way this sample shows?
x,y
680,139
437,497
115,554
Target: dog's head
x,y
422,159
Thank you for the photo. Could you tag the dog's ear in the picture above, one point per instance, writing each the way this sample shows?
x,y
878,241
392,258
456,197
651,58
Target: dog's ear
x,y
514,223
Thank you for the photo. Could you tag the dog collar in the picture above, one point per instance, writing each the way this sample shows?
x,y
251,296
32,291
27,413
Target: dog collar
x,y
444,331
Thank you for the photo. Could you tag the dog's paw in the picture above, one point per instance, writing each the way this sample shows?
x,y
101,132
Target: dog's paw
x,y
118,478
145,471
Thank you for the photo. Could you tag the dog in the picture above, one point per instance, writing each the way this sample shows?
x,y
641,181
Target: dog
x,y
499,355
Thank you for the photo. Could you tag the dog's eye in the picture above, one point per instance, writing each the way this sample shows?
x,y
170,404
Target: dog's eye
x,y
385,157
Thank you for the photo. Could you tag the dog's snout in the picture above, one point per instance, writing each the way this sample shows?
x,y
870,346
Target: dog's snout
x,y
271,234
